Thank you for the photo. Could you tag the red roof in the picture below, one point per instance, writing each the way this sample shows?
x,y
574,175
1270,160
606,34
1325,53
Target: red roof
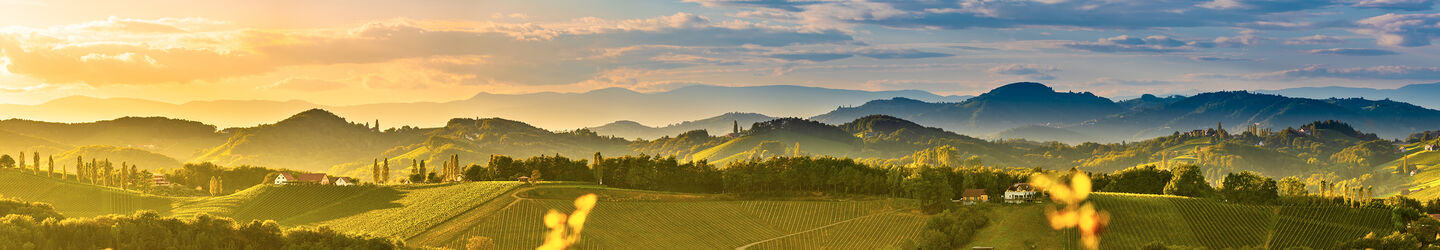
x,y
1436,216
973,193
287,176
311,177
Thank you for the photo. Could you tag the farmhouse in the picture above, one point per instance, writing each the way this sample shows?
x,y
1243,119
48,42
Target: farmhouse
x,y
1021,193
970,196
343,181
160,180
322,179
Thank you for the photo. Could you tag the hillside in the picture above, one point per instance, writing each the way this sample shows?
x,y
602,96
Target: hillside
x,y
179,139
718,125
1137,220
1043,133
780,137
632,220
313,140
74,199
1005,107
16,142
1387,118
549,110
142,159
475,140
1419,94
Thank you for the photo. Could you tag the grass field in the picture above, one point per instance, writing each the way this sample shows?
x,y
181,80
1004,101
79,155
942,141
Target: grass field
x,y
446,215
1137,220
75,199
627,219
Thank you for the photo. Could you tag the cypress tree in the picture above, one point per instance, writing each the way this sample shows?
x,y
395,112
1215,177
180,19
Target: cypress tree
x,y
50,162
385,171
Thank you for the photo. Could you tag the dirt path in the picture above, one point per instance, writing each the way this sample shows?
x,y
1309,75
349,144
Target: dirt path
x,y
747,246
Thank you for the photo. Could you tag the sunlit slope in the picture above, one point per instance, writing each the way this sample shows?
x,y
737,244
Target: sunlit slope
x,y
629,219
397,211
74,199
1422,185
1137,220
141,158
749,146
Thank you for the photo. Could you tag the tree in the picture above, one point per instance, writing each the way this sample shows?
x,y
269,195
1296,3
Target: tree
x,y
35,156
375,171
1188,182
216,185
385,171
6,161
1294,187
21,161
1146,179
930,186
535,175
1249,187
1424,229
50,161
598,169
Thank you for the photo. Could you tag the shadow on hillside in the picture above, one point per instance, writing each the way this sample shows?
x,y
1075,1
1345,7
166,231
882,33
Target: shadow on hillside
x,y
380,198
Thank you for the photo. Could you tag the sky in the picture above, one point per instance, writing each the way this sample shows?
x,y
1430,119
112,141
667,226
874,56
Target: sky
x,y
351,52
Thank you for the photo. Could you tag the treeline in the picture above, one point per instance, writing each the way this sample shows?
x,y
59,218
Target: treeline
x,y
236,178
33,225
769,175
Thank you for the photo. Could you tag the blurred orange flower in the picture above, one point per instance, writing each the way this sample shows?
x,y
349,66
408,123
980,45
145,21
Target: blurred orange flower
x,y
565,229
1076,212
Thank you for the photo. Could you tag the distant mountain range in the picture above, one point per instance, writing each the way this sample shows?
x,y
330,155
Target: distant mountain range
x,y
718,125
558,111
1034,111
1423,95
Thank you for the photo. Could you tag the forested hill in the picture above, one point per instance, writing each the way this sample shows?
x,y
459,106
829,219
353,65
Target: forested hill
x,y
720,125
1036,112
311,140
1239,109
1009,106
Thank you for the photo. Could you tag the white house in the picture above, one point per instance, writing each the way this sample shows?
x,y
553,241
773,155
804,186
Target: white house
x,y
1020,193
284,178
343,181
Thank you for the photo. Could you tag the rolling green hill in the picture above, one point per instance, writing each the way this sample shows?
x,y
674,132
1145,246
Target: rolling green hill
x,y
658,220
179,139
133,156
313,140
1137,220
75,199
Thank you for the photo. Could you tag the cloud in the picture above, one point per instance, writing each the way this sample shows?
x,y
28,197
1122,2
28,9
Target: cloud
x,y
1405,5
1104,81
1352,52
1125,43
305,84
1220,59
1371,73
812,57
1407,30
899,54
962,14
523,53
1031,71
126,63
1315,39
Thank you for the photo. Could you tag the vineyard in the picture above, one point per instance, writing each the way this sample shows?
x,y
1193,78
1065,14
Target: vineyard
x,y
414,209
77,199
1139,219
707,224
